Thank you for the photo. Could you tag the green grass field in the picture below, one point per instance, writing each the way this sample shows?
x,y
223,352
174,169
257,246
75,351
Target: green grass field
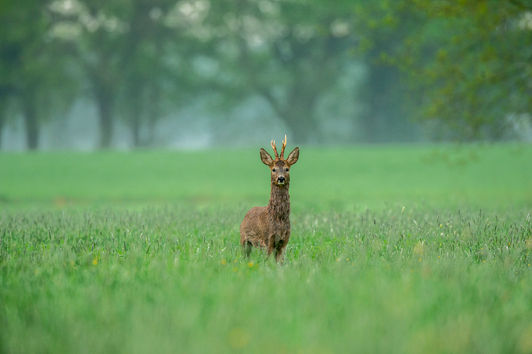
x,y
408,249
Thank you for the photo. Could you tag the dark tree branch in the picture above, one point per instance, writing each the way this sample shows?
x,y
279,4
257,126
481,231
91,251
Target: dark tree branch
x,y
521,5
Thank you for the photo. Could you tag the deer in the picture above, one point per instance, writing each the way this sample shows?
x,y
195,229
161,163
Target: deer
x,y
268,227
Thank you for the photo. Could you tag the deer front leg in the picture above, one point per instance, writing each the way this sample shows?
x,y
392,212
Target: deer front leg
x,y
279,248
246,248
271,244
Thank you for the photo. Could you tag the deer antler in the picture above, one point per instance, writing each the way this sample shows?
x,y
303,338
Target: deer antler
x,y
274,149
284,146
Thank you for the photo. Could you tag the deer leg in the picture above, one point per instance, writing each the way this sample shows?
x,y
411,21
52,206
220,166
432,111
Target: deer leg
x,y
279,251
246,248
271,245
279,256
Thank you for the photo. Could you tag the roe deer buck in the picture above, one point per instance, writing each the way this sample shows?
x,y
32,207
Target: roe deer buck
x,y
269,226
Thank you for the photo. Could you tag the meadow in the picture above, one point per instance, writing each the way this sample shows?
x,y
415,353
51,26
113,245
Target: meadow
x,y
406,249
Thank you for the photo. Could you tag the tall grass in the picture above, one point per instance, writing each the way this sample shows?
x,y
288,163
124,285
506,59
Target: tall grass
x,y
397,249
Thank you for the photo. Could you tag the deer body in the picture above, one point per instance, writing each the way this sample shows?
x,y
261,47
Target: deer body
x,y
269,227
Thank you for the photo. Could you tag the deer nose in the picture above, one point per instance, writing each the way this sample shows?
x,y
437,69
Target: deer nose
x,y
280,179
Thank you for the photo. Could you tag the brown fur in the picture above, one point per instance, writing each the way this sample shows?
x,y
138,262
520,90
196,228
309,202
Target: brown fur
x,y
269,227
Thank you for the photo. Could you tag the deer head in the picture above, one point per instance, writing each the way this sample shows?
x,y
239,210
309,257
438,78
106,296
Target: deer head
x,y
280,168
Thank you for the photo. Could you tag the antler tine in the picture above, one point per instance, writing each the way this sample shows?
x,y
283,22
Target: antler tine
x,y
274,149
284,146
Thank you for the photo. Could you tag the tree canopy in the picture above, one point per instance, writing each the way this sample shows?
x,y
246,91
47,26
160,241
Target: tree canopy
x,y
378,69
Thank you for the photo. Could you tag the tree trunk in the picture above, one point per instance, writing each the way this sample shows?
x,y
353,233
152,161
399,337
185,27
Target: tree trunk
x,y
2,122
371,119
103,81
300,116
135,127
31,122
297,112
301,122
385,118
105,115
154,112
374,97
3,113
136,130
135,111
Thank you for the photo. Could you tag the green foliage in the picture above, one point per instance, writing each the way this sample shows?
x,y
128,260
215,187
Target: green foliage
x,y
34,75
388,106
390,252
471,61
290,54
133,55
367,66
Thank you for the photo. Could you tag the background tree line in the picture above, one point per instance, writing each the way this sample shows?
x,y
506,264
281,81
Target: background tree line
x,y
349,71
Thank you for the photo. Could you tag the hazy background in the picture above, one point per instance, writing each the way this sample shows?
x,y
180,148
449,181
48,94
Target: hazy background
x,y
88,74
397,244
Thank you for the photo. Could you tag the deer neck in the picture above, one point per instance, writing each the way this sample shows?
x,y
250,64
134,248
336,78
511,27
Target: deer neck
x,y
279,205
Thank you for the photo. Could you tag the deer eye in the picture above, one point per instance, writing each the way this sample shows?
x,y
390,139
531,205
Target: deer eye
x,y
274,170
287,169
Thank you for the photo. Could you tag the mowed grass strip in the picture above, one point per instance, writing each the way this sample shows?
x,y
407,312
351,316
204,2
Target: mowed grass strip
x,y
403,249
324,178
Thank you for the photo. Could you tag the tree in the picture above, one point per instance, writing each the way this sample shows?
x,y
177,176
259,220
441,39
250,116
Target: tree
x,y
147,46
288,53
123,49
4,109
32,74
388,105
471,63
94,31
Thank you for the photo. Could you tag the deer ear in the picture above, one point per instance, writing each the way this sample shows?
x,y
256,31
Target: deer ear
x,y
265,157
292,158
